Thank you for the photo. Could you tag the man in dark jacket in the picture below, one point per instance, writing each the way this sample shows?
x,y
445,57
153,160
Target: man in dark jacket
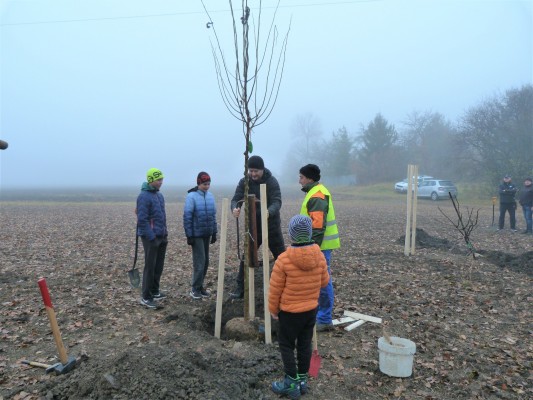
x,y
152,228
526,201
507,192
258,174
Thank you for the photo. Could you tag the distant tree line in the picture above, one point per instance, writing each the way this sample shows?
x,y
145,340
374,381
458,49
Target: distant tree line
x,y
491,139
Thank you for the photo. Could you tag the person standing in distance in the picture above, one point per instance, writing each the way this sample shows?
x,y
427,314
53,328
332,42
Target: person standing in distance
x,y
200,224
507,192
258,174
526,201
152,228
319,206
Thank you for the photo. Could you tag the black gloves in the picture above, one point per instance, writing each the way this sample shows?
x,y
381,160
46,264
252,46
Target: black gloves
x,y
213,238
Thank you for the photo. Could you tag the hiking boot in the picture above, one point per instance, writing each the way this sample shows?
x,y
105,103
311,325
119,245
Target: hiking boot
x,y
237,294
205,293
159,296
302,381
324,327
148,303
287,387
195,294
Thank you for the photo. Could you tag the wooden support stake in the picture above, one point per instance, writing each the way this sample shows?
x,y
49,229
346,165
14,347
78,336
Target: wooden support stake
x,y
266,263
413,212
412,201
221,266
253,257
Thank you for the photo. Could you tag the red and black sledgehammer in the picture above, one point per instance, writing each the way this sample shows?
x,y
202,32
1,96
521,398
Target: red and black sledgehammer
x,y
67,363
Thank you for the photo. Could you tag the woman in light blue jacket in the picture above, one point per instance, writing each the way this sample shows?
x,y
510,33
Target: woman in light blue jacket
x,y
200,224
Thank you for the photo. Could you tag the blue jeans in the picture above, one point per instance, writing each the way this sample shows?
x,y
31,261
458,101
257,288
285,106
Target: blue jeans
x,y
325,300
528,217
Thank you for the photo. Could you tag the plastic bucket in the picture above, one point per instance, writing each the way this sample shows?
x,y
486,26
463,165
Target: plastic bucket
x,y
396,359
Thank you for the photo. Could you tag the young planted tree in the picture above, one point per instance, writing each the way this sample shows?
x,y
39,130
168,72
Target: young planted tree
x,y
249,81
464,224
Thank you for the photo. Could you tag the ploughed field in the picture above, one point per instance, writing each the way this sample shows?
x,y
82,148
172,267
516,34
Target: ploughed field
x,y
471,319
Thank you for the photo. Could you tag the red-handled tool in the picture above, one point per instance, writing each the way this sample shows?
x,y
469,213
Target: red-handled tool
x,y
67,363
314,367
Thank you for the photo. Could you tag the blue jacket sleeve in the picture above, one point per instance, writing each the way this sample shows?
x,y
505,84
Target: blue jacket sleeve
x,y
188,214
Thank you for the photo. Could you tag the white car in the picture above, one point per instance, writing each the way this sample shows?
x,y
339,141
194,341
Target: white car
x,y
401,187
437,189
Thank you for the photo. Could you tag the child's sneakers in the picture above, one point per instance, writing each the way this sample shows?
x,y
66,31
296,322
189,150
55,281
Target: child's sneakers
x,y
302,380
289,387
159,296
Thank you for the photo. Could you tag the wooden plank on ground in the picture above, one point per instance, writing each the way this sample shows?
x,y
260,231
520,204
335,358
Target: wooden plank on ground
x,y
343,320
354,325
364,317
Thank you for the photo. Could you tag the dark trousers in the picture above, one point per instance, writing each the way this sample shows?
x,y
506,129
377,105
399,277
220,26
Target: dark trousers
x,y
510,208
296,332
154,261
528,217
200,261
276,245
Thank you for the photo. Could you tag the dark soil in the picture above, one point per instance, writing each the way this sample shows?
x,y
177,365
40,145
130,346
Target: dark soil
x,y
471,319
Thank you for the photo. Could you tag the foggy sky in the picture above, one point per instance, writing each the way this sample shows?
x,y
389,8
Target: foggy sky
x,y
95,93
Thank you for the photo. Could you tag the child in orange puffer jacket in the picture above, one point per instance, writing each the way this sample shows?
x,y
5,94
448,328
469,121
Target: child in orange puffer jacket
x,y
295,284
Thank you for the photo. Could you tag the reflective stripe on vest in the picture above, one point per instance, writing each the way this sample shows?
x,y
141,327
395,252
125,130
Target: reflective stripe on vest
x,y
331,235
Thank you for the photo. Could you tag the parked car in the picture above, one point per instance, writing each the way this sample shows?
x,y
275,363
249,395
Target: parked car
x,y
436,189
401,187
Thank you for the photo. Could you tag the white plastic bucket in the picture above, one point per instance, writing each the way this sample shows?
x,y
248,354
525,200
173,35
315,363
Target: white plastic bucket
x,y
396,359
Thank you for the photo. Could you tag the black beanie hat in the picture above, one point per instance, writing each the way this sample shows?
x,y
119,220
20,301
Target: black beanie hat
x,y
256,162
202,178
311,171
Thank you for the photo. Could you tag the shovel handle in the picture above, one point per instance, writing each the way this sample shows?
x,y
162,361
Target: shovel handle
x,y
53,322
36,364
315,340
136,249
387,336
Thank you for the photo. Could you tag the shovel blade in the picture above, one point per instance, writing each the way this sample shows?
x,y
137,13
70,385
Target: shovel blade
x,y
314,367
135,279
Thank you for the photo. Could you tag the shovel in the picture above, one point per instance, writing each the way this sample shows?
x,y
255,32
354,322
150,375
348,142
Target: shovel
x,y
314,367
133,273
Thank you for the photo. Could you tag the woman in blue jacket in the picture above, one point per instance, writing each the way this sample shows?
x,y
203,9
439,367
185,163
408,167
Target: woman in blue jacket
x,y
200,224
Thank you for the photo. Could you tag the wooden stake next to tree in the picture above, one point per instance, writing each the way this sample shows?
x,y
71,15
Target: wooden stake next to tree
x,y
414,207
221,266
412,192
253,260
266,263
